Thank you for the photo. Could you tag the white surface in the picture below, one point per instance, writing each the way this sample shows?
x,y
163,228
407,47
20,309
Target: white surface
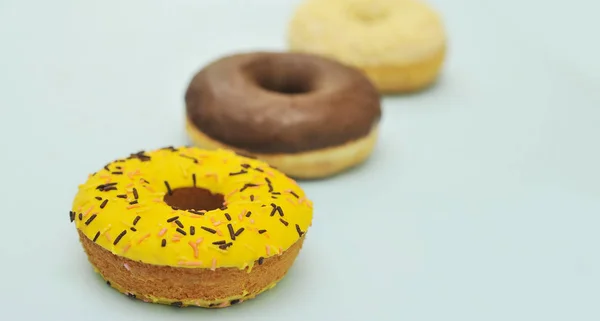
x,y
481,202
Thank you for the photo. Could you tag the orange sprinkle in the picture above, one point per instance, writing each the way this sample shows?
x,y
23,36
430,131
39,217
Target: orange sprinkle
x,y
251,221
143,238
132,206
107,236
214,264
126,248
88,211
195,247
175,239
199,240
291,201
149,188
268,249
280,250
232,192
129,185
162,232
219,232
270,173
157,200
217,223
197,263
104,176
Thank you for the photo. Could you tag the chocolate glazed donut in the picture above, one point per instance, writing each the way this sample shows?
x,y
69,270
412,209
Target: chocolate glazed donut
x,y
308,116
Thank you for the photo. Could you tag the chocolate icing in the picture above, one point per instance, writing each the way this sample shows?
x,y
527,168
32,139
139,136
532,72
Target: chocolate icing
x,y
268,102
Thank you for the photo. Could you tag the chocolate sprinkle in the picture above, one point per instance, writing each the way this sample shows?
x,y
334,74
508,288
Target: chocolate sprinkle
x,y
80,216
135,193
163,243
122,196
179,223
299,230
239,231
225,246
222,208
117,173
280,211
231,233
71,216
194,179
133,229
248,185
259,170
261,231
181,231
136,219
133,202
261,260
276,193
178,304
119,237
219,242
208,229
106,167
251,198
103,204
245,165
168,188
192,230
284,222
141,156
269,184
96,237
248,214
172,219
234,301
89,220
196,212
238,173
171,148
99,198
295,195
274,210
189,157
228,216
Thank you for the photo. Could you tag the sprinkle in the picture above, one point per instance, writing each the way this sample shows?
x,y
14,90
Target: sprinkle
x,y
143,238
163,243
284,222
117,173
162,232
96,236
89,220
269,184
119,237
132,206
197,212
174,218
208,229
225,246
80,216
276,193
295,195
252,198
179,223
274,210
194,179
189,157
231,233
106,167
228,216
199,263
126,267
141,156
268,248
157,200
248,185
238,173
136,219
280,211
261,231
71,216
126,248
135,193
213,266
261,260
103,204
216,223
239,231
182,232
234,301
224,207
107,236
122,196
219,233
150,189
245,165
251,221
194,247
133,202
168,188
178,304
171,148
259,170
99,198
133,229
219,242
192,230
299,230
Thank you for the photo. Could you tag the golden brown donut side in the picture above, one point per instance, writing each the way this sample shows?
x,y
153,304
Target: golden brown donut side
x,y
225,102
188,286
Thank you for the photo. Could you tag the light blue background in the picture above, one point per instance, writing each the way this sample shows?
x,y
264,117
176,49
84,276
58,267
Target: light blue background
x,y
480,203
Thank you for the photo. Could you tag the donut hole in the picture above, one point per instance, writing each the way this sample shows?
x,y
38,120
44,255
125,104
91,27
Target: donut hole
x,y
283,76
194,198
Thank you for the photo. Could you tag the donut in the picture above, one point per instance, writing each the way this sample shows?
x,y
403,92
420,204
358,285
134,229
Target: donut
x,y
399,45
308,116
191,227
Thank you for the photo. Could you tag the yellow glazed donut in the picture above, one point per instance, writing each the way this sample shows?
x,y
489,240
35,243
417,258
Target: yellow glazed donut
x,y
399,44
185,226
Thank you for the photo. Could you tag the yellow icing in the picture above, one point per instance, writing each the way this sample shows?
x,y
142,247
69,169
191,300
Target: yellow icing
x,y
367,32
212,169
